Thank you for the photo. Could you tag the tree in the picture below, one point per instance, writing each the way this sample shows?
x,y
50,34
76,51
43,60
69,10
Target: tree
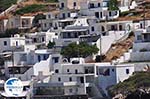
x,y
50,44
37,18
113,5
81,50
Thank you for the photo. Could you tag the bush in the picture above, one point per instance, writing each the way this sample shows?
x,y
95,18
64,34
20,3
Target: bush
x,y
138,80
51,45
37,18
31,9
81,50
10,32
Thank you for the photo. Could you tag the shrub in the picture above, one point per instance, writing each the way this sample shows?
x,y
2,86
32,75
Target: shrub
x,y
31,9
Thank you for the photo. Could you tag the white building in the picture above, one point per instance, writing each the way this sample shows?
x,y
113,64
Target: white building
x,y
12,43
80,78
112,74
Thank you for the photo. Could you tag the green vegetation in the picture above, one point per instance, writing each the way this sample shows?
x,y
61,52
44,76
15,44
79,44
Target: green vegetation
x,y
138,80
113,5
51,44
9,32
4,4
48,1
32,9
82,49
37,18
51,1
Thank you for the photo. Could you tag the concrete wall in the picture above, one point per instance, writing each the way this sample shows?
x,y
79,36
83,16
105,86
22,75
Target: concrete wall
x,y
140,56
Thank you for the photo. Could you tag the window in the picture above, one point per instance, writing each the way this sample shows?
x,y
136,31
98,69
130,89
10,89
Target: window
x,y
91,5
103,29
104,72
70,78
68,70
43,39
56,71
97,14
139,37
109,13
74,4
70,90
92,28
55,59
49,16
68,14
5,43
101,14
63,15
127,71
62,5
76,71
99,4
59,79
113,70
50,24
39,58
16,43
45,25
45,57
120,27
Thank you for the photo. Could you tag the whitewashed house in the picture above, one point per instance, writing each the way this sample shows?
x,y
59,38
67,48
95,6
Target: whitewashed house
x,y
98,8
80,78
12,43
21,22
109,74
72,33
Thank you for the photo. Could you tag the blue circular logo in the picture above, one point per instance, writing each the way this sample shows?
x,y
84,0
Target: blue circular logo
x,y
13,87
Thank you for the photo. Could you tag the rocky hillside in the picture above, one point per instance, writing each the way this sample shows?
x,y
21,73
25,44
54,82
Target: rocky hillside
x,y
118,49
4,4
136,87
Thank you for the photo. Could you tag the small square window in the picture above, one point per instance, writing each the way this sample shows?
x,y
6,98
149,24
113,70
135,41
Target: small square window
x,y
139,37
55,59
56,71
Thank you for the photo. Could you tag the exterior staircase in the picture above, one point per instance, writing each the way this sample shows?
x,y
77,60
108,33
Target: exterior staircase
x,y
117,50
